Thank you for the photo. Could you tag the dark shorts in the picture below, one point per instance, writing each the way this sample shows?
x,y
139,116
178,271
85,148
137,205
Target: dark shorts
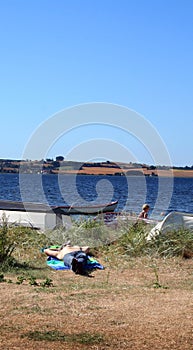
x,y
79,255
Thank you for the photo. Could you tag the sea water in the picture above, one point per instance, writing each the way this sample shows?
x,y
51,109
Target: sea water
x,y
162,194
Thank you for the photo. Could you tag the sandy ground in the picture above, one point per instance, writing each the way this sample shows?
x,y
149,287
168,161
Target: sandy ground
x,y
117,308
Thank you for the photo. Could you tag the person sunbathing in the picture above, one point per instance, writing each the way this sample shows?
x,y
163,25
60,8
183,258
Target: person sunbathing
x,y
75,257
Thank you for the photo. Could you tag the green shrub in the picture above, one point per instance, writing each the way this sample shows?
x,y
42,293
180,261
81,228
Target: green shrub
x,y
7,244
17,242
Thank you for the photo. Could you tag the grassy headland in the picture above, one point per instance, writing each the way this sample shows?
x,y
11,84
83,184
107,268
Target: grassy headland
x,y
50,166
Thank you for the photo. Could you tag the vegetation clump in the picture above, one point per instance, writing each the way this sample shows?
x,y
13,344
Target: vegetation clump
x,y
20,246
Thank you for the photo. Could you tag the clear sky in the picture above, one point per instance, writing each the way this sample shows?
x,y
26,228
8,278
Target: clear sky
x,y
56,54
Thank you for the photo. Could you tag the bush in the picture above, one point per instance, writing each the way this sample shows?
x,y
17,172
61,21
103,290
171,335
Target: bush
x,y
16,241
7,244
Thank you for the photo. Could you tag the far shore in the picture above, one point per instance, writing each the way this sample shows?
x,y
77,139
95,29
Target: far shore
x,y
97,171
61,166
131,172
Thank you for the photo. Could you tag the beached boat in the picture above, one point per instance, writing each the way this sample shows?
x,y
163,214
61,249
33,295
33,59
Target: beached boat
x,y
65,210
87,210
172,222
43,216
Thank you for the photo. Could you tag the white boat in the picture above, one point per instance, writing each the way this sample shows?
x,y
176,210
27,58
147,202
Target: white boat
x,y
173,221
42,216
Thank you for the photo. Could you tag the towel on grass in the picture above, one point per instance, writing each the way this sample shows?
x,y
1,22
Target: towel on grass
x,y
57,264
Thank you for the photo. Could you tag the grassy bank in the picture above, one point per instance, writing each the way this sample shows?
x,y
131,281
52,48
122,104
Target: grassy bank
x,y
20,248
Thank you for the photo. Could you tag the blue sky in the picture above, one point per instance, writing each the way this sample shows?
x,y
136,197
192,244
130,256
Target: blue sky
x,y
57,54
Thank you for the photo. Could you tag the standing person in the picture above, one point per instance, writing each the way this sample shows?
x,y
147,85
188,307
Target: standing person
x,y
144,212
74,257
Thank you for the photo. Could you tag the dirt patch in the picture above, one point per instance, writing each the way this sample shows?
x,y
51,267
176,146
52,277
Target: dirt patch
x,y
118,308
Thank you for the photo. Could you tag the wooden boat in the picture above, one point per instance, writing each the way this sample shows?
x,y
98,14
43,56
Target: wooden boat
x,y
87,210
65,210
43,216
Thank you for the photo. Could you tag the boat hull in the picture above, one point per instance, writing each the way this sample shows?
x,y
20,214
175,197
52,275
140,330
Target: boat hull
x,y
87,210
42,216
65,210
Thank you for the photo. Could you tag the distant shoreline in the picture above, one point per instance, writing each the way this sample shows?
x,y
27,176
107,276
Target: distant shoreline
x,y
61,166
112,172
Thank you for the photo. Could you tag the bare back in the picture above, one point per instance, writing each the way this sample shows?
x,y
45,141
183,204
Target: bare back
x,y
59,254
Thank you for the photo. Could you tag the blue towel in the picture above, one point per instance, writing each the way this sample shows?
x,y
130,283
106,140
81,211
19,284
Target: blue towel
x,y
57,264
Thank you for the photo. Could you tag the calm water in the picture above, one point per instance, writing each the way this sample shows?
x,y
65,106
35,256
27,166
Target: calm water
x,y
163,194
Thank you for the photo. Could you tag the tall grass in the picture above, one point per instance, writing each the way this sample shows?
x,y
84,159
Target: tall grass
x,y
7,244
174,243
133,243
85,233
18,245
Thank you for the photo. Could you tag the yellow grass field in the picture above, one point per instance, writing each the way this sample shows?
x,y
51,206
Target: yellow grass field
x,y
113,171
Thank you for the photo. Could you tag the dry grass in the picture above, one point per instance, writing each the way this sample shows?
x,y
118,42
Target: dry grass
x,y
119,308
144,171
